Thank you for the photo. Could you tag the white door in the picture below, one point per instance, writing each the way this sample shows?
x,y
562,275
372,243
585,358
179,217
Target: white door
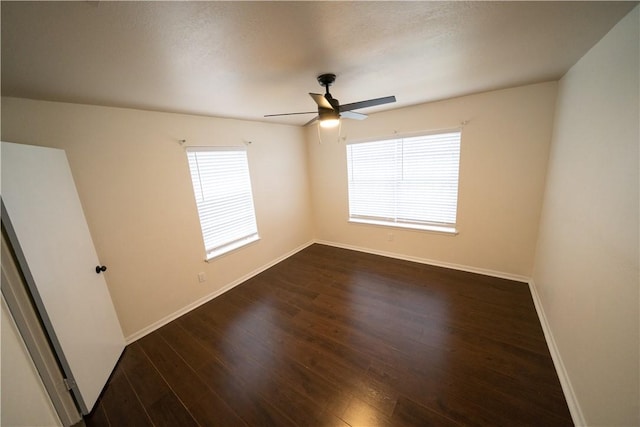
x,y
46,225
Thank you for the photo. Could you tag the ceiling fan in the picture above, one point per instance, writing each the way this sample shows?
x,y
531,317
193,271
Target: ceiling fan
x,y
329,109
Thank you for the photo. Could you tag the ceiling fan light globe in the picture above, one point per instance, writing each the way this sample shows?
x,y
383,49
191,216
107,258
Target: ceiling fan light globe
x,y
329,123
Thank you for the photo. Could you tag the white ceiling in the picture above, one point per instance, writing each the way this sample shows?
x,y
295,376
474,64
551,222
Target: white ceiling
x,y
248,59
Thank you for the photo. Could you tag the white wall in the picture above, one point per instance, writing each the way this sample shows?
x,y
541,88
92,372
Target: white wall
x,y
134,184
25,401
503,161
586,271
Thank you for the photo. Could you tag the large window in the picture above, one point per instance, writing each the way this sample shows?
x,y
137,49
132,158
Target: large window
x,y
406,182
222,189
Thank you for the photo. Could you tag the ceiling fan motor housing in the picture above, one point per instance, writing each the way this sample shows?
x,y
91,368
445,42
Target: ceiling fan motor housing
x,y
327,114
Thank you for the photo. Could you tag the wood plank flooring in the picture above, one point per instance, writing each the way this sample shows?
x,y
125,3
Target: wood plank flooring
x,y
331,337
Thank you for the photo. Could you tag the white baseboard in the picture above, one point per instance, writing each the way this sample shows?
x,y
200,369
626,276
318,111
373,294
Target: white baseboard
x,y
567,389
435,263
572,402
160,323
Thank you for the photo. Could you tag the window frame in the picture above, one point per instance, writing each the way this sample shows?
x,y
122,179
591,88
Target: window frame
x,y
239,240
450,228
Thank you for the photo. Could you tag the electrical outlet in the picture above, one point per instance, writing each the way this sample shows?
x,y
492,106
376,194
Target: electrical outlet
x,y
390,237
202,277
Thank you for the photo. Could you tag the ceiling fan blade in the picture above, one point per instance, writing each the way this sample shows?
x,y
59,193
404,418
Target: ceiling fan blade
x,y
353,115
312,120
290,114
321,101
367,103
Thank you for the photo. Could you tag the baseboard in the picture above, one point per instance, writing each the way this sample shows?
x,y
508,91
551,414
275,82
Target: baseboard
x,y
567,389
452,266
160,323
572,402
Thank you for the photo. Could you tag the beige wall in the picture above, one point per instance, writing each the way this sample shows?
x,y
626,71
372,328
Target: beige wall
x,y
133,181
586,270
134,184
25,401
502,168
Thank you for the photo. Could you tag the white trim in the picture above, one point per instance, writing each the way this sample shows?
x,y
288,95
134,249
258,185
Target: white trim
x,y
469,269
160,323
567,389
230,247
441,229
569,394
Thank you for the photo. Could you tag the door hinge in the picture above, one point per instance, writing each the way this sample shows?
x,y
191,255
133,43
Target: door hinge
x,y
69,383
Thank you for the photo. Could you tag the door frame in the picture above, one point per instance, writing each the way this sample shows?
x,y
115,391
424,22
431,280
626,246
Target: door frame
x,y
31,324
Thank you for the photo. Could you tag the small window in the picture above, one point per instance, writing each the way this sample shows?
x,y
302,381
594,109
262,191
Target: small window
x,y
222,189
405,182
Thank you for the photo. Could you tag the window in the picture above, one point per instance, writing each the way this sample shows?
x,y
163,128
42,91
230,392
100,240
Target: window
x,y
222,188
405,182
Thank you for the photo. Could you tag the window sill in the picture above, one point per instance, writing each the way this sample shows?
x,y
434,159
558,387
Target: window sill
x,y
451,231
231,247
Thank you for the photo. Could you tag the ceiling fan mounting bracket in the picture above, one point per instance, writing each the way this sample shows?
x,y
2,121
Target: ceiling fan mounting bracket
x,y
326,80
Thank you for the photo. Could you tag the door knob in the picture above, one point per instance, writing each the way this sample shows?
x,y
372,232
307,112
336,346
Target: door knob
x,y
100,268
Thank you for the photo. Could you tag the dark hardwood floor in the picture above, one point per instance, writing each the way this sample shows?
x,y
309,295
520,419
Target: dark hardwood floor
x,y
331,337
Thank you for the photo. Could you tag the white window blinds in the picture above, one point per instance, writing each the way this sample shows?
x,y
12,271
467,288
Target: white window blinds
x,y
411,182
222,188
